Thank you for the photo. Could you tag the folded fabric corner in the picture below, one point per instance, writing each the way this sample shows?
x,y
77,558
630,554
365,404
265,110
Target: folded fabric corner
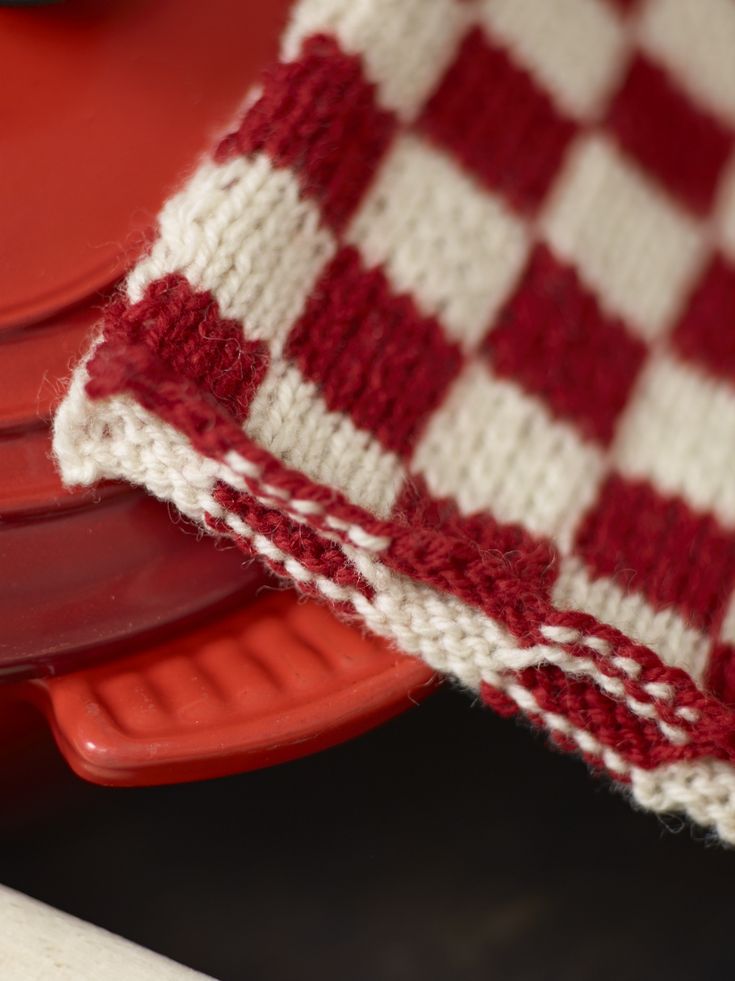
x,y
444,332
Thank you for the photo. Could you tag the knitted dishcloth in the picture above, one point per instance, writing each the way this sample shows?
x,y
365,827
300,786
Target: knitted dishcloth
x,y
444,332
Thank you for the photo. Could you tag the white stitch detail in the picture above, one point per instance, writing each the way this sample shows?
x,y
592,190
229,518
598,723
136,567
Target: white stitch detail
x,y
598,644
676,735
628,665
659,689
560,634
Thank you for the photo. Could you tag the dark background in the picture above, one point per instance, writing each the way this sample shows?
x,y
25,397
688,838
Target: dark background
x,y
447,845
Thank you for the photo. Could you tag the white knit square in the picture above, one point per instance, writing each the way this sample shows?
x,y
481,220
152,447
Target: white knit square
x,y
679,433
633,245
290,419
727,631
406,45
575,48
492,447
242,231
696,42
664,631
441,237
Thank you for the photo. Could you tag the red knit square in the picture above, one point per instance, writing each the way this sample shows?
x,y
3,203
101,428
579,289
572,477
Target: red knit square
x,y
183,326
513,138
554,340
680,144
514,551
658,546
371,352
721,673
706,332
318,116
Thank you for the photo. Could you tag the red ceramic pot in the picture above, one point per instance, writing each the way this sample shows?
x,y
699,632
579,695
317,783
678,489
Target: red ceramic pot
x,y
144,675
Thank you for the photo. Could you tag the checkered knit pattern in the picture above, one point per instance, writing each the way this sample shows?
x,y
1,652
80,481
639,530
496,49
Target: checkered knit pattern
x,y
444,332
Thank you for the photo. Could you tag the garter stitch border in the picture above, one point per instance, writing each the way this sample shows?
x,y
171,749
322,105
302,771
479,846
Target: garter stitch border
x,y
452,361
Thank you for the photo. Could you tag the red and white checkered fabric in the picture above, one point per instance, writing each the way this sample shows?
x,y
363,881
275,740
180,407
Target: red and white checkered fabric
x,y
445,332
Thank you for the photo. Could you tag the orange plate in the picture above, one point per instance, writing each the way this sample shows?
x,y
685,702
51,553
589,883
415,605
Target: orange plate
x,y
278,680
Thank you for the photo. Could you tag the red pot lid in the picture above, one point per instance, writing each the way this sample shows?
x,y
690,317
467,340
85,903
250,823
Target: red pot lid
x,y
106,107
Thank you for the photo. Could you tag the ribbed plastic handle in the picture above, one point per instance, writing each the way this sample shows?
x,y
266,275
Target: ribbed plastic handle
x,y
278,680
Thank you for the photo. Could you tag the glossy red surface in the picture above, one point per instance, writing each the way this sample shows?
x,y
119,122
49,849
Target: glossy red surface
x,y
87,572
104,578
105,107
278,680
153,652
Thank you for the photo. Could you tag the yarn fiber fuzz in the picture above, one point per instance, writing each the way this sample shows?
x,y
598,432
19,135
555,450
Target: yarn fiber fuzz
x,y
444,332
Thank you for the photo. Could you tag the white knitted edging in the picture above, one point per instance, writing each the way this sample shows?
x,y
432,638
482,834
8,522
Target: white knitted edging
x,y
118,438
702,789
457,640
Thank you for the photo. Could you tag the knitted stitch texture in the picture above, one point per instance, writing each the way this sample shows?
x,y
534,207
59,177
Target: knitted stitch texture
x,y
444,332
